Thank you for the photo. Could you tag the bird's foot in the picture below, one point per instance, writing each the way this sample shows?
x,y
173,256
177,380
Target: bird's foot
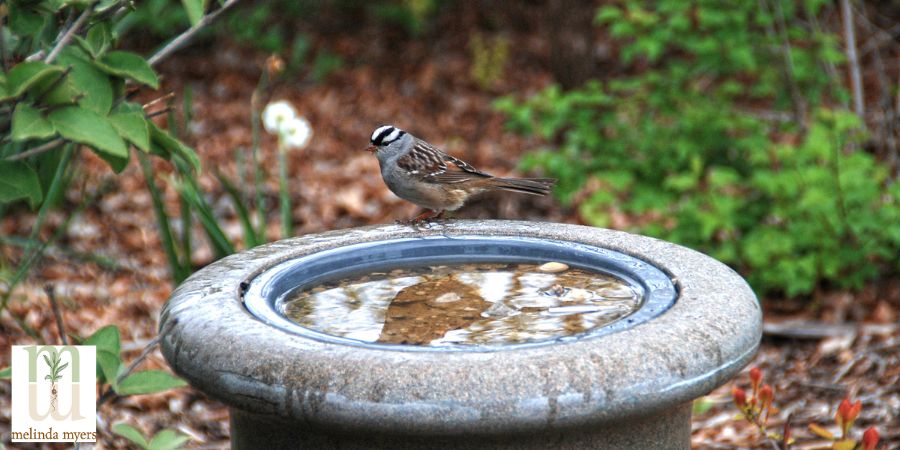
x,y
424,221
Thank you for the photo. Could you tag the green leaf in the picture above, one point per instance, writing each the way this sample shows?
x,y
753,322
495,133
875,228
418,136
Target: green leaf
x,y
6,373
87,127
28,74
133,127
29,123
148,382
24,22
702,405
17,181
88,79
4,92
105,339
171,146
128,65
168,440
55,91
194,9
97,40
131,433
108,366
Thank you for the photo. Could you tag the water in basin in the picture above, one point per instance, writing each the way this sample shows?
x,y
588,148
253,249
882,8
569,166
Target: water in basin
x,y
465,304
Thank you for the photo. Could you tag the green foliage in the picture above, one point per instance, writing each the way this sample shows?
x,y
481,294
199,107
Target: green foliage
x,y
164,440
677,147
111,369
411,15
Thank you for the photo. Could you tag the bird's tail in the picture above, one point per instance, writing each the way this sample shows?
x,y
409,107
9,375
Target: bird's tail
x,y
534,186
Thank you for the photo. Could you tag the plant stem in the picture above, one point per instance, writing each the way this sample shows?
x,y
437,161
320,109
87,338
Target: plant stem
x,y
70,33
51,294
287,223
179,273
853,60
43,148
188,34
257,169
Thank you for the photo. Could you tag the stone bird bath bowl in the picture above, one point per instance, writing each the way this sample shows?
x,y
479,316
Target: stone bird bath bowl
x,y
628,384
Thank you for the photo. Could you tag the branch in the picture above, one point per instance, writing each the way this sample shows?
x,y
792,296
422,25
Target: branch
x,y
37,150
853,60
70,33
188,34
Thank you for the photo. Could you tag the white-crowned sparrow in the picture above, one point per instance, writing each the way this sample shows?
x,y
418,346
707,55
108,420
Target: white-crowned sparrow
x,y
419,172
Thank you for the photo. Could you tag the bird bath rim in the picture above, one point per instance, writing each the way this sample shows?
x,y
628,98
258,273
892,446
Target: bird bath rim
x,y
656,289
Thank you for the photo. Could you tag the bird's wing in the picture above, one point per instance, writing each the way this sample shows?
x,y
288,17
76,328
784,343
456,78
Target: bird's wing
x,y
423,161
438,171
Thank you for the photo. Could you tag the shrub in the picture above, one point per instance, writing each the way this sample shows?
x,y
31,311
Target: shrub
x,y
683,148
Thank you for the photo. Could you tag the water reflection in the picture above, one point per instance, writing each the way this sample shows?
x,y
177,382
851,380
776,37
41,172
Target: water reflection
x,y
463,305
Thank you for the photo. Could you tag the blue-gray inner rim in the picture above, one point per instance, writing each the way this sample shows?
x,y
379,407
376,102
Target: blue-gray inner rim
x,y
267,290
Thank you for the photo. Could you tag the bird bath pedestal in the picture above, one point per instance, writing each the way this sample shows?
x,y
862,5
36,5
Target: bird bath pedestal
x,y
626,385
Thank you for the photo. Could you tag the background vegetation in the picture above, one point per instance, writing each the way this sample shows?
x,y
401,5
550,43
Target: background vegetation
x,y
763,133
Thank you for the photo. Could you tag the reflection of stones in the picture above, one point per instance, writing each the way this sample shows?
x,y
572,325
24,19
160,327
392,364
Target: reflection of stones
x,y
499,310
426,311
553,267
556,290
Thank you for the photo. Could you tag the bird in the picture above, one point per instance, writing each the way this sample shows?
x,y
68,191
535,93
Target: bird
x,y
419,172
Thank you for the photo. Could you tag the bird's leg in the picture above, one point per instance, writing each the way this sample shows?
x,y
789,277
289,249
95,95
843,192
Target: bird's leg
x,y
423,219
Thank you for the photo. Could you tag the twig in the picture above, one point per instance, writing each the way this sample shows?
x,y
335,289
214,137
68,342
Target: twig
x,y
160,99
853,59
70,33
109,393
46,147
796,97
188,34
160,112
51,294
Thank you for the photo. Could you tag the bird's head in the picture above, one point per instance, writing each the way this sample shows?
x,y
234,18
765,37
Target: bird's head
x,y
387,139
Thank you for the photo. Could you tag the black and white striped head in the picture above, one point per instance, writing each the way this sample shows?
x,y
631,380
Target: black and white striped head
x,y
389,141
385,135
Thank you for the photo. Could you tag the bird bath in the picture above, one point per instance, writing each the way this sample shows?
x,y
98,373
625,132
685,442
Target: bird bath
x,y
628,383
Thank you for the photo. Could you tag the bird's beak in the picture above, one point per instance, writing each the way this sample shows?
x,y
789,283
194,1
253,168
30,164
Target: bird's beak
x,y
371,149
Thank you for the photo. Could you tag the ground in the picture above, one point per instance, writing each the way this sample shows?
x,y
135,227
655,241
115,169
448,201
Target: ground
x,y
109,268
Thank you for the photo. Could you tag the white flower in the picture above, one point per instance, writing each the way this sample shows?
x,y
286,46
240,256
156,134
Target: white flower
x,y
276,115
296,132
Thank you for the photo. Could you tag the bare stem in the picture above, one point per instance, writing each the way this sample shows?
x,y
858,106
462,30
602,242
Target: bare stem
x,y
51,294
166,97
37,150
796,97
69,34
853,59
188,34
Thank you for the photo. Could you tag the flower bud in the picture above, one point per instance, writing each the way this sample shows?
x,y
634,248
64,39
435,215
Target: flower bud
x,y
766,394
870,439
739,396
755,378
274,65
847,413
